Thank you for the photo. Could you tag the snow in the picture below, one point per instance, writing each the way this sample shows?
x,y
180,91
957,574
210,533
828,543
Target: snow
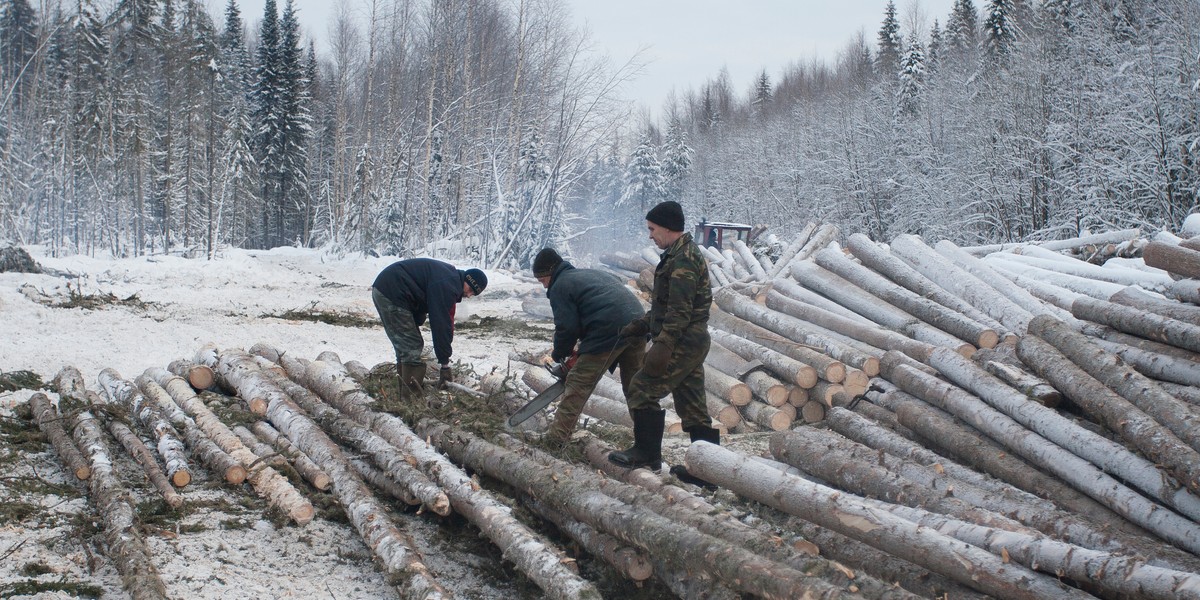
x,y
227,301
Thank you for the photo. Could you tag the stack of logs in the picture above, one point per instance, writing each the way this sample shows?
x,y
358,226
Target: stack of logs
x,y
1049,391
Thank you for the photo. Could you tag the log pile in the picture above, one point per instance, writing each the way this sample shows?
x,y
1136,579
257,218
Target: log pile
x,y
1061,376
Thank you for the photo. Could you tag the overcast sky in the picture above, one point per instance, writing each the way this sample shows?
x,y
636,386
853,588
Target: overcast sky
x,y
688,41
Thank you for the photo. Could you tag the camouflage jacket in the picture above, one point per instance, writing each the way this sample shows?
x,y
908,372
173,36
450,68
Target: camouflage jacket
x,y
682,294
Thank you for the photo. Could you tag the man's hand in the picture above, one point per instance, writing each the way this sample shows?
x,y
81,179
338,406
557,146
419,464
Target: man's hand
x,y
635,328
656,360
445,375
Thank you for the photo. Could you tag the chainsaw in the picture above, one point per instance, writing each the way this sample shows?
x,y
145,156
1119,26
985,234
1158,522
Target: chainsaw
x,y
548,395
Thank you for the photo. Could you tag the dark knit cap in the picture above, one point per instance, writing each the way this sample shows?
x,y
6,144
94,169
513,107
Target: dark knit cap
x,y
545,262
667,214
476,279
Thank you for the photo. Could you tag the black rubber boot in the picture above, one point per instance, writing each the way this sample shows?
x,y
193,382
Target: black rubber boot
x,y
412,380
698,433
647,441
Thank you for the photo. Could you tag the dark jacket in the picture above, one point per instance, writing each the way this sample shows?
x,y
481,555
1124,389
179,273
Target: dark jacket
x,y
426,287
682,293
590,307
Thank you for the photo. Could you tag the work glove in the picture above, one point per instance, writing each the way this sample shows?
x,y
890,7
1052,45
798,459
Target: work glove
x,y
560,370
656,360
445,375
635,328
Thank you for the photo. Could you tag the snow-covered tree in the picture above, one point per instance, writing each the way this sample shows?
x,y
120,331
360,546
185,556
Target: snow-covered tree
x,y
887,56
644,181
962,32
18,41
677,160
1000,30
912,81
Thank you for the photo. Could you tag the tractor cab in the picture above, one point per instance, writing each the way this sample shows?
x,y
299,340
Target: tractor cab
x,y
715,234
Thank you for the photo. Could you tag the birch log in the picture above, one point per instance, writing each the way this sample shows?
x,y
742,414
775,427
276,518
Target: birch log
x,y
148,414
986,274
749,261
1156,442
790,252
118,513
1060,263
69,383
1139,322
846,293
198,376
600,407
210,454
726,387
968,565
926,310
266,482
786,367
531,555
761,384
886,263
788,287
872,334
50,422
682,546
959,282
303,465
631,563
1136,298
1081,474
369,518
1117,414
1013,372
1127,382
777,332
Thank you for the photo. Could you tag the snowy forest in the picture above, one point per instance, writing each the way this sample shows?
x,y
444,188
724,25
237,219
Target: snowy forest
x,y
487,130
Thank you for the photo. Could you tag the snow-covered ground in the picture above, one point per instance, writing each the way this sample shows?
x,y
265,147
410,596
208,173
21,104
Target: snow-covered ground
x,y
227,301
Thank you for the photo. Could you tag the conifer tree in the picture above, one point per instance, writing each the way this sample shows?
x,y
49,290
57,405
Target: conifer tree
x,y
912,81
18,42
962,31
999,30
887,57
643,177
677,160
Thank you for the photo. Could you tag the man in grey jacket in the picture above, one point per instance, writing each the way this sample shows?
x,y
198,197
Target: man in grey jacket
x,y
590,308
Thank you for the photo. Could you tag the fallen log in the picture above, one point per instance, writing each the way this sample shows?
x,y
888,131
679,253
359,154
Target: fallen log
x,y
198,376
1079,473
792,249
959,282
380,480
1185,290
167,442
1061,263
630,562
986,274
303,465
1103,238
1138,322
1016,375
118,513
1127,382
886,263
788,287
1176,259
69,383
531,555
771,417
210,454
600,407
1136,298
628,262
1015,270
968,565
778,332
786,367
928,311
846,293
871,334
726,387
972,448
683,547
762,385
1107,574
369,518
268,483
50,422
757,273
1156,442
266,454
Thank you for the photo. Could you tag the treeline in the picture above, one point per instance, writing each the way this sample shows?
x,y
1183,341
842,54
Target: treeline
x,y
1004,121
458,125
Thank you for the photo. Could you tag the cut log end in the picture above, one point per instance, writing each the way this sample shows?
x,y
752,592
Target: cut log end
x,y
258,406
806,377
235,475
181,478
871,366
634,565
740,395
797,396
835,373
777,395
200,377
988,339
812,412
441,506
729,417
83,473
966,350
322,481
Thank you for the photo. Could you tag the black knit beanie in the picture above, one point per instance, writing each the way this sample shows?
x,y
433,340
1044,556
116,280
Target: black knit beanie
x,y
667,214
476,279
545,262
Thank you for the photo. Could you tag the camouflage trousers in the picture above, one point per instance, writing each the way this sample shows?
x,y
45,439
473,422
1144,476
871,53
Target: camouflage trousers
x,y
401,328
582,379
683,379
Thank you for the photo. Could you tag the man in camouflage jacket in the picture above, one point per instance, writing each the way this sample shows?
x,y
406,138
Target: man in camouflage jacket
x,y
678,326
